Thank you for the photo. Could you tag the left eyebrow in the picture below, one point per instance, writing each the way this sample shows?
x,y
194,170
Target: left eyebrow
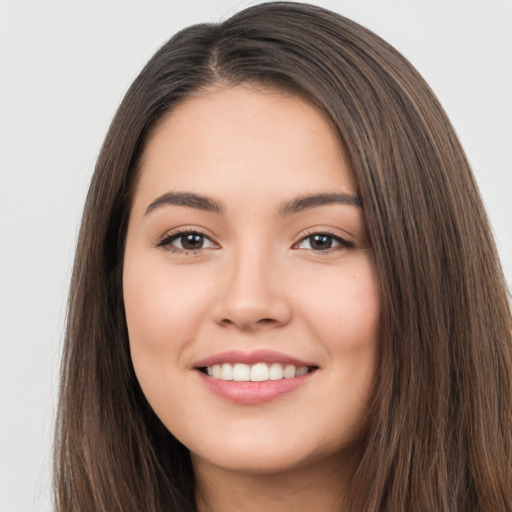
x,y
187,199
306,202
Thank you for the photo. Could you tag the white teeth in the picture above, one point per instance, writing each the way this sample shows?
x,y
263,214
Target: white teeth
x,y
241,372
227,372
217,371
259,372
289,371
301,370
276,371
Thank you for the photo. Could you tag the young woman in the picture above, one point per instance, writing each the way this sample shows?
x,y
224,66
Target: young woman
x,y
286,295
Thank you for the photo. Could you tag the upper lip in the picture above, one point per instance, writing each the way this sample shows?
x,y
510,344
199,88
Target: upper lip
x,y
253,357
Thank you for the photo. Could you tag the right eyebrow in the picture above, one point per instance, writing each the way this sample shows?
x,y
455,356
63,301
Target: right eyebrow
x,y
306,202
185,199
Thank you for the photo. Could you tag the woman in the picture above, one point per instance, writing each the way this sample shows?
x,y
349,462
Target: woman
x,y
286,295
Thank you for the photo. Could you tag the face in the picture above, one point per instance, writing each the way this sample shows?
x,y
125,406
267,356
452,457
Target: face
x,y
249,287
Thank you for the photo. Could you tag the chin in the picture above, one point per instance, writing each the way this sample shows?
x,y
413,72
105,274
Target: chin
x,y
253,457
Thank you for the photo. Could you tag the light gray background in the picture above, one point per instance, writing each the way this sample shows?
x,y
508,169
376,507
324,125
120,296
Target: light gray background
x,y
64,67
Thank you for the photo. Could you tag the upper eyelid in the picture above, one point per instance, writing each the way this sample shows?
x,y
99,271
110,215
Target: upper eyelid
x,y
176,232
330,231
344,242
166,243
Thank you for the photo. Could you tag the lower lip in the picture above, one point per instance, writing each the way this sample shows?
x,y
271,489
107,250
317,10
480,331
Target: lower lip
x,y
253,393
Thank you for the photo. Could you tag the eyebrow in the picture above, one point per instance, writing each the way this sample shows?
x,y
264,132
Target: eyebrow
x,y
296,205
185,199
312,201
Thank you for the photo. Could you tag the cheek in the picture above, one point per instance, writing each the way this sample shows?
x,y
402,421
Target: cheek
x,y
162,310
161,305
344,307
343,313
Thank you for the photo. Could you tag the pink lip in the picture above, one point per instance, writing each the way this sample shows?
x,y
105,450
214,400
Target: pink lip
x,y
256,356
253,393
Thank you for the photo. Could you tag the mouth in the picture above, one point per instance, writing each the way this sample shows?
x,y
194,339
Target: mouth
x,y
258,372
254,378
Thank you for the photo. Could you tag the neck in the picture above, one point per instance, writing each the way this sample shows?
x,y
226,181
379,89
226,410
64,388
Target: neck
x,y
317,486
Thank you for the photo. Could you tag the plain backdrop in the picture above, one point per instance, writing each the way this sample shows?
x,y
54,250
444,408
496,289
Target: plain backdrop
x,y
64,67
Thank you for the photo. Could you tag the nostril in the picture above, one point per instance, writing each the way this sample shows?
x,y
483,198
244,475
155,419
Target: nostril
x,y
227,322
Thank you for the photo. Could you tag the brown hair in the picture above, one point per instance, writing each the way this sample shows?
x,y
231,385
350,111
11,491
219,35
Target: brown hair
x,y
439,434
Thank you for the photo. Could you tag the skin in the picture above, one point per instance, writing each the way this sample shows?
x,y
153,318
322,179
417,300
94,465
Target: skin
x,y
254,282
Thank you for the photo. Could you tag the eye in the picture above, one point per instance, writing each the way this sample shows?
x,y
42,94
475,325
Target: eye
x,y
323,242
187,241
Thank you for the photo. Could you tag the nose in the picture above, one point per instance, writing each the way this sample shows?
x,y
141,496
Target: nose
x,y
252,296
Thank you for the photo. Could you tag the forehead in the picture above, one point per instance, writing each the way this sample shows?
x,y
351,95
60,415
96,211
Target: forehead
x,y
244,140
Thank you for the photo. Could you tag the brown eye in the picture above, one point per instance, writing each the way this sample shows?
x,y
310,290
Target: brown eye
x,y
191,241
320,242
323,242
187,241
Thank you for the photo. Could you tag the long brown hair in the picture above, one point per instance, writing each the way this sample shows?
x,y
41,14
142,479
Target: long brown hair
x,y
439,433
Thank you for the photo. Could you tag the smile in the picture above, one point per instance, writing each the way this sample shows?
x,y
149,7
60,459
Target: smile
x,y
259,372
255,377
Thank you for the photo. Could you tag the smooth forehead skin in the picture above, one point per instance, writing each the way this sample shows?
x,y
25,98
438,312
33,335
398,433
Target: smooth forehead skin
x,y
262,142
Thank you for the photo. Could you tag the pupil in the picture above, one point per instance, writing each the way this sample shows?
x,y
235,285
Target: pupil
x,y
321,242
192,241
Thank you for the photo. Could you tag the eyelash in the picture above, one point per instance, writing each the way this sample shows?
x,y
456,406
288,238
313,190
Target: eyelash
x,y
343,243
168,239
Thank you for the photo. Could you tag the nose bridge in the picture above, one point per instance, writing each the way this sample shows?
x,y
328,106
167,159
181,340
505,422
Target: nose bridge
x,y
251,275
251,295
